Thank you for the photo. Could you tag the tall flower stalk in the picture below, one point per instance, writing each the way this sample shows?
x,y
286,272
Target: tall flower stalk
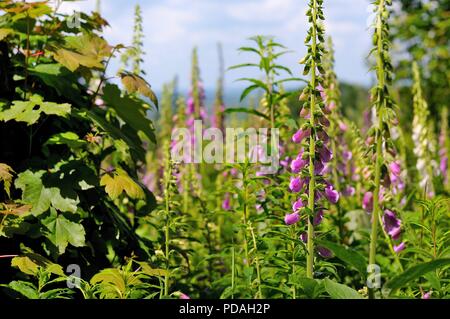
x,y
136,52
314,154
444,147
384,113
421,131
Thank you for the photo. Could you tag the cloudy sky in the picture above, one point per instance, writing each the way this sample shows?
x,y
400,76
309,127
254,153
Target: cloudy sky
x,y
173,27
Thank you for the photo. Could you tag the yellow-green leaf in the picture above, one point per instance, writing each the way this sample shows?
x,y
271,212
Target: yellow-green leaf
x,y
6,176
118,182
134,83
5,32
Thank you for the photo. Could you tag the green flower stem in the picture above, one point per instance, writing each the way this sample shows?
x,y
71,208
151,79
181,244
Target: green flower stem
x,y
379,141
256,259
312,152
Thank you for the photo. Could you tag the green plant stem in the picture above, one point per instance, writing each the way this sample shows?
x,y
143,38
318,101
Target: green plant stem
x,y
312,152
258,270
379,140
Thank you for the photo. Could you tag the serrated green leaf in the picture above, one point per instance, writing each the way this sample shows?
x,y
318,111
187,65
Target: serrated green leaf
x,y
41,198
62,231
30,111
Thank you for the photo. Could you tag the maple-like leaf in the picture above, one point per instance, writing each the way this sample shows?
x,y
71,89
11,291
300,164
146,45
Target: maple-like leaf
x,y
118,182
6,176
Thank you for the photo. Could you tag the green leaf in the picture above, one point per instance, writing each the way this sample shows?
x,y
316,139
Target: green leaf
x,y
86,50
128,110
134,83
118,182
62,231
41,198
30,111
5,32
6,177
29,263
59,78
415,272
245,110
132,140
339,291
70,139
350,257
27,289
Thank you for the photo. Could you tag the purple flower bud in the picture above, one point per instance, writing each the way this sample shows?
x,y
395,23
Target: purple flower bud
x,y
331,194
297,205
304,113
184,296
324,252
392,224
300,135
304,237
296,184
291,219
226,204
325,154
368,202
318,217
400,247
395,168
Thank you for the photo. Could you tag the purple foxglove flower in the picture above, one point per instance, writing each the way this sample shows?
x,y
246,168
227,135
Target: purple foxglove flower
x,y
347,155
190,105
304,237
443,166
391,224
285,163
349,191
400,247
296,184
322,92
325,154
324,121
324,252
297,205
331,194
323,136
318,167
184,296
327,169
368,202
304,113
291,219
395,168
427,295
300,135
332,106
318,217
298,164
343,127
190,121
226,204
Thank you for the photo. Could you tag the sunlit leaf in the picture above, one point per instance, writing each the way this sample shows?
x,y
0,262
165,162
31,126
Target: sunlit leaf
x,y
6,177
118,182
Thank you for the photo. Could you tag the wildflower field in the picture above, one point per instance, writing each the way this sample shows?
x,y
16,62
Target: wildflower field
x,y
305,188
